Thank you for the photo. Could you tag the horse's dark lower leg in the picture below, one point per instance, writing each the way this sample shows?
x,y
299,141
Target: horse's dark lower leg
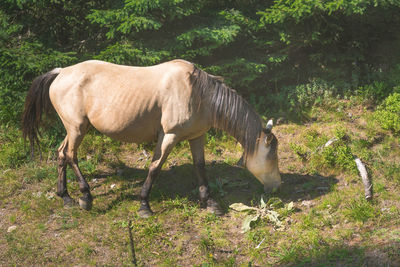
x,y
204,192
164,146
62,182
197,148
86,200
145,210
62,190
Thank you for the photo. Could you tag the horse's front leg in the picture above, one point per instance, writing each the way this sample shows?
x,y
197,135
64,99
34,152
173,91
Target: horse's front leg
x,y
86,200
197,148
164,146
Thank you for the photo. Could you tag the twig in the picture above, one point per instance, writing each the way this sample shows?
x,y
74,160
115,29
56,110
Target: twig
x,y
132,245
364,176
260,243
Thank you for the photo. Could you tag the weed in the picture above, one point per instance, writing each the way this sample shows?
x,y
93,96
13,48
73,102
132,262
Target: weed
x,y
392,172
361,210
153,230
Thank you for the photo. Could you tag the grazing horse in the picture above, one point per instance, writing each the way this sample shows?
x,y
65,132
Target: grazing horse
x,y
169,102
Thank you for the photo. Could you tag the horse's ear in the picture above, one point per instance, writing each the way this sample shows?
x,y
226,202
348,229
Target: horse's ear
x,y
268,139
269,126
267,131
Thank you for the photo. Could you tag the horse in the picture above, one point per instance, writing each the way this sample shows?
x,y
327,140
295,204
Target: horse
x,y
167,103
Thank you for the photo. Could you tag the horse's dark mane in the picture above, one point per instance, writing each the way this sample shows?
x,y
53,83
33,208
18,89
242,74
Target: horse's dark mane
x,y
230,112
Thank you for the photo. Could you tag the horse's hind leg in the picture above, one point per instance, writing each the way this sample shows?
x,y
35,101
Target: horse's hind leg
x,y
62,178
75,137
197,148
164,146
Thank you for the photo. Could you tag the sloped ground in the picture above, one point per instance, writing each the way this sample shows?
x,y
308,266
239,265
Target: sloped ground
x,y
331,223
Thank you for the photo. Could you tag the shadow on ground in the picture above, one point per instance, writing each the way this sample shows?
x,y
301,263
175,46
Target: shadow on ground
x,y
229,184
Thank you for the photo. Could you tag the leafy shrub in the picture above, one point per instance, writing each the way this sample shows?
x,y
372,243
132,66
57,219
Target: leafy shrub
x,y
316,92
375,92
339,156
388,113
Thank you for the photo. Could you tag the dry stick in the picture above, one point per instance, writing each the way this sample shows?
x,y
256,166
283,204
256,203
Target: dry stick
x,y
132,245
364,176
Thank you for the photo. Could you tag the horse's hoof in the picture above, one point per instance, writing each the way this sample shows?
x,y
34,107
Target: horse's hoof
x,y
145,213
85,204
69,202
213,207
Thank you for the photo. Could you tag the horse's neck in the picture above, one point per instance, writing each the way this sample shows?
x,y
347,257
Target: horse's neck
x,y
234,115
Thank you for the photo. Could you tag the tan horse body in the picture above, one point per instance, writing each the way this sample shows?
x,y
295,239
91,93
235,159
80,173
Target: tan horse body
x,y
169,102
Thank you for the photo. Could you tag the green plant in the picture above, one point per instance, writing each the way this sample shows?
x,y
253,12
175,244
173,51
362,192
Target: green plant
x,y
272,210
388,113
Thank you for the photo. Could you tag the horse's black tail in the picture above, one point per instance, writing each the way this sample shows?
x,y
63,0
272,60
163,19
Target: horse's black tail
x,y
37,102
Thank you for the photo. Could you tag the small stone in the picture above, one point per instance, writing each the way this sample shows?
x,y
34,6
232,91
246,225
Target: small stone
x,y
11,228
49,195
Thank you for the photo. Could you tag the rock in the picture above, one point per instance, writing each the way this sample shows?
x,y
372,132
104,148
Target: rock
x,y
12,228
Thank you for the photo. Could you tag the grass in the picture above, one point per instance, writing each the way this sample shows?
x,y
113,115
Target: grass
x,y
331,223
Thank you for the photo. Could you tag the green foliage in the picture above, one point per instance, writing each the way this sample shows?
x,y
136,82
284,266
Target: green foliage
x,y
129,55
12,153
388,113
283,56
376,91
320,152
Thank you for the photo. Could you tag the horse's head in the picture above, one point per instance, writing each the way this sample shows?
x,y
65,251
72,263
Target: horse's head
x,y
263,162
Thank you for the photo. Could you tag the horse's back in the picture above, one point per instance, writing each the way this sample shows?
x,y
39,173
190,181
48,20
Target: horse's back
x,y
127,103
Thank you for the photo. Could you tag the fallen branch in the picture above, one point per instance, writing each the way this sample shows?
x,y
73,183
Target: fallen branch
x,y
364,176
132,245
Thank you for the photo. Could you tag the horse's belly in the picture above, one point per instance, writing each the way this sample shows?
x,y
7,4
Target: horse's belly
x,y
134,135
132,131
